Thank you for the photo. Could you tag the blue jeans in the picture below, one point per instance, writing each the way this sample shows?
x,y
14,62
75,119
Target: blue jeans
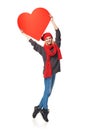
x,y
49,82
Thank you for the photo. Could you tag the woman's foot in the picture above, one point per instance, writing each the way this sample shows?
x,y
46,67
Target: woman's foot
x,y
44,113
36,111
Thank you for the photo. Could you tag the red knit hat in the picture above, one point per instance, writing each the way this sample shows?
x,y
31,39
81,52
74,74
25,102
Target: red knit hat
x,y
46,35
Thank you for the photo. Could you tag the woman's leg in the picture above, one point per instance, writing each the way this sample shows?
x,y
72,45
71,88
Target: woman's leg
x,y
44,100
49,82
53,80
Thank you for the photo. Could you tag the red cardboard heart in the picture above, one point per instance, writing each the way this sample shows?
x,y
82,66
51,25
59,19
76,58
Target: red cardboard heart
x,y
34,24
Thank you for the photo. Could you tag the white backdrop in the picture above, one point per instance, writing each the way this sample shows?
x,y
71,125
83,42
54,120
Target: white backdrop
x,y
21,78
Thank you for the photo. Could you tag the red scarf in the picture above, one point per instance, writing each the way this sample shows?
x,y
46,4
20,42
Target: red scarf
x,y
49,54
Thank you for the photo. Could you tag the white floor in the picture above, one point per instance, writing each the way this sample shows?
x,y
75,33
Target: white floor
x,y
68,108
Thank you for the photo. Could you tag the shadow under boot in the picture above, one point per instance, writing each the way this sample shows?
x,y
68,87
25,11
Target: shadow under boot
x,y
44,113
36,111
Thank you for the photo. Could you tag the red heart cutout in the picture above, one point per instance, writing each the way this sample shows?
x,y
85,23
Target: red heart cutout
x,y
34,24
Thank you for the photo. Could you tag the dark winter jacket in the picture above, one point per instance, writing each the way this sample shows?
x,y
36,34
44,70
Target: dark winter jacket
x,y
55,63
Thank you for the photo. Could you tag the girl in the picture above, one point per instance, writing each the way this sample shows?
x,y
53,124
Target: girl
x,y
51,55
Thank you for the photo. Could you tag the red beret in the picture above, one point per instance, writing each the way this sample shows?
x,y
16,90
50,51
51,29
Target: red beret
x,y
46,35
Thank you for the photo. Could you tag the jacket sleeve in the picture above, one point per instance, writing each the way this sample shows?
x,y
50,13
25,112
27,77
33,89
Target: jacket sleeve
x,y
36,46
58,38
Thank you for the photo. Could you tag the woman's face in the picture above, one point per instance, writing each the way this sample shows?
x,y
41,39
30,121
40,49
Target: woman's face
x,y
48,40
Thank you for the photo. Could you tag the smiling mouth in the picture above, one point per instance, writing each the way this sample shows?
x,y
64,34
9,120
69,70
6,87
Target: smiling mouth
x,y
49,44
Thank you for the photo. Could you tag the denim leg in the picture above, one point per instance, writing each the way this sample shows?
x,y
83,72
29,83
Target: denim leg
x,y
48,88
53,80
